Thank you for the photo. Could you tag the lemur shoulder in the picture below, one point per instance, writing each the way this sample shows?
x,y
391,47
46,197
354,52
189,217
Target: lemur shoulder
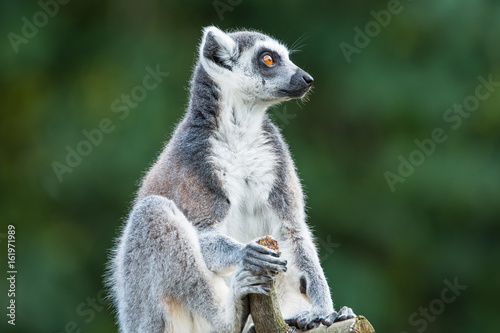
x,y
187,258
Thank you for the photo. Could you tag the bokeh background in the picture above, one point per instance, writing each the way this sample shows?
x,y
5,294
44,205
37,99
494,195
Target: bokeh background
x,y
386,253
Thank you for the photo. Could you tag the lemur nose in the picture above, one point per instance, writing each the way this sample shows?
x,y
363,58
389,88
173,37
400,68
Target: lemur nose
x,y
308,79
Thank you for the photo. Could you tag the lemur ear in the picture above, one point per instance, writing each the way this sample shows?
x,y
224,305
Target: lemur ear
x,y
218,47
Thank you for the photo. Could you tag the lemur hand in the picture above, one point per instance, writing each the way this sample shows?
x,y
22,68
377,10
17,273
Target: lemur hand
x,y
311,319
261,260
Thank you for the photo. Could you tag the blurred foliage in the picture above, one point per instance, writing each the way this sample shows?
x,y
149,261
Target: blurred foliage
x,y
392,251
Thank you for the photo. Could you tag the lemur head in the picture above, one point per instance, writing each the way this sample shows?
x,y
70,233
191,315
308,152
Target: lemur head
x,y
253,66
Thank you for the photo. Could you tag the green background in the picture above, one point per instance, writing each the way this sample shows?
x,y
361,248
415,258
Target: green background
x,y
386,253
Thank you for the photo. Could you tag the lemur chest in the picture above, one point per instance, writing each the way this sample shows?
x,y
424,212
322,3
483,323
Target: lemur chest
x,y
245,164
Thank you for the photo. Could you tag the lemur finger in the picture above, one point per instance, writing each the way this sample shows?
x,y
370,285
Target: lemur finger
x,y
305,320
312,325
267,266
302,323
291,322
253,268
270,259
328,320
261,249
299,321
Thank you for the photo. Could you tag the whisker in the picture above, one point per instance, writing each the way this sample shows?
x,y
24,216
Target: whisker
x,y
298,44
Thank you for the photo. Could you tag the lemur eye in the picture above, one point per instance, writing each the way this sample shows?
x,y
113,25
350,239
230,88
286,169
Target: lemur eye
x,y
268,60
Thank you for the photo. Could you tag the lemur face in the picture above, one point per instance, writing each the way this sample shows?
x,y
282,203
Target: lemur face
x,y
253,66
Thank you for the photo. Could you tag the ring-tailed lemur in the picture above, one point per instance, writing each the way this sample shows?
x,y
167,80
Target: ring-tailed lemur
x,y
187,257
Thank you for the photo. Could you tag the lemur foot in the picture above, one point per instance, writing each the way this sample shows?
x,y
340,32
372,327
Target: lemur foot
x,y
261,260
344,314
246,282
309,319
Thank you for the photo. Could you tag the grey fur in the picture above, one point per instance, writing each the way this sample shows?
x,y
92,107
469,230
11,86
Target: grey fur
x,y
185,262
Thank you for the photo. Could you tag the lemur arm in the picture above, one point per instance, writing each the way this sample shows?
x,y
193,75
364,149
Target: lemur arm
x,y
220,252
223,254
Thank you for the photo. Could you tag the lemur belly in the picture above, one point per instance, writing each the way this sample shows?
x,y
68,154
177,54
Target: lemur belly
x,y
245,164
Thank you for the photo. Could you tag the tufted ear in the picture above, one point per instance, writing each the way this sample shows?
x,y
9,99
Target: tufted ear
x,y
218,47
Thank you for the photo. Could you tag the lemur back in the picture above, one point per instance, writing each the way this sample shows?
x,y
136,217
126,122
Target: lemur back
x,y
187,258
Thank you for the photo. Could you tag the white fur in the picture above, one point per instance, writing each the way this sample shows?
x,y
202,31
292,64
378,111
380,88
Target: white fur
x,y
246,165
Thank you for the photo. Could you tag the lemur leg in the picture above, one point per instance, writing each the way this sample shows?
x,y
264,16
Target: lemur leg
x,y
308,278
162,283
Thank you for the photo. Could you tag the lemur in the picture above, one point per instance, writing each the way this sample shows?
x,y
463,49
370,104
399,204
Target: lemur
x,y
187,257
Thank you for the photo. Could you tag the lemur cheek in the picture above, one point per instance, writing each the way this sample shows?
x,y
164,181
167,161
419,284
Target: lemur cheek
x,y
263,82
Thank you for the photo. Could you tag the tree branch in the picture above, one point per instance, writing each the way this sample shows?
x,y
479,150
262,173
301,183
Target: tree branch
x,y
267,312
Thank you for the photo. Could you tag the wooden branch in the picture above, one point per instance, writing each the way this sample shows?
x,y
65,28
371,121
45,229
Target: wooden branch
x,y
266,313
266,308
267,318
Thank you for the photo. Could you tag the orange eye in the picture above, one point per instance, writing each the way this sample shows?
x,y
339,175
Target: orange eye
x,y
268,60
